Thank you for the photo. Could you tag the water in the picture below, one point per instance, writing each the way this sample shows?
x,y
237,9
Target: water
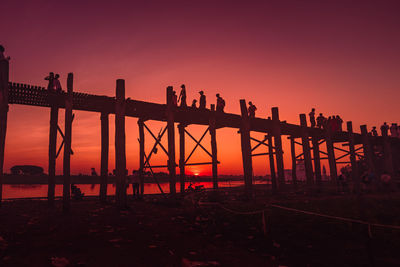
x,y
28,191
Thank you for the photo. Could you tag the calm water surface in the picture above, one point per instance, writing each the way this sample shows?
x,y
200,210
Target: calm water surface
x,y
26,191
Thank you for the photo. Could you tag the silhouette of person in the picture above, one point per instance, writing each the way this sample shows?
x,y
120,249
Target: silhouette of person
x,y
202,104
312,117
220,103
93,172
320,121
339,123
374,132
174,99
182,96
50,78
384,128
252,110
393,130
2,57
56,83
194,103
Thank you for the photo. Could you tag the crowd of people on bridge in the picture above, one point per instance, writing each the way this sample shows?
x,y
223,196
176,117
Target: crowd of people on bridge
x,y
333,123
393,129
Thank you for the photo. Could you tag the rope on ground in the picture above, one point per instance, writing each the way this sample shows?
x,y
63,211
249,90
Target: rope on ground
x,y
369,224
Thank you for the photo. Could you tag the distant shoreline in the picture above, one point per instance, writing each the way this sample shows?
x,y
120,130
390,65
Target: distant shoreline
x,y
86,179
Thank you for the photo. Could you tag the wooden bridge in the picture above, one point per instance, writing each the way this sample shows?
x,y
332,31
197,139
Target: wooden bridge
x,y
274,129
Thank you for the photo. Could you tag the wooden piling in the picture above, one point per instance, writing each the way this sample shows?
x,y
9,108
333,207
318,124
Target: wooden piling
x,y
120,146
305,140
141,155
387,154
52,146
246,149
67,144
352,153
171,141
213,135
104,156
181,129
317,161
272,164
331,155
367,148
4,78
276,131
294,161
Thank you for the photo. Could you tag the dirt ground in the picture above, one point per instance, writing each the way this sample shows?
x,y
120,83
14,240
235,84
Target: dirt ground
x,y
158,231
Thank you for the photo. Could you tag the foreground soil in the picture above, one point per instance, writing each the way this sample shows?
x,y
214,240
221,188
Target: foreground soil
x,y
159,231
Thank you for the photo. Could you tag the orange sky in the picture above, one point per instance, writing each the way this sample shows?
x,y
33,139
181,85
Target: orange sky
x,y
339,57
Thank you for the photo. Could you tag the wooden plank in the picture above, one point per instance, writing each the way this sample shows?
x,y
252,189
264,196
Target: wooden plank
x,y
120,145
246,149
105,139
276,132
305,140
352,152
4,78
317,161
181,128
171,141
274,183
141,155
213,135
67,145
367,148
331,155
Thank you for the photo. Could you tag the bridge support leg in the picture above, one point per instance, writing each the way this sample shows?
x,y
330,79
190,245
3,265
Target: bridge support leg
x,y
272,164
104,156
213,135
141,155
331,156
367,148
120,146
52,152
4,76
317,162
294,163
246,150
67,145
306,151
171,141
278,147
181,129
387,154
352,152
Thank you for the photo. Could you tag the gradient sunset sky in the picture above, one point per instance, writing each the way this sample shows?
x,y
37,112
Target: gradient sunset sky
x,y
341,57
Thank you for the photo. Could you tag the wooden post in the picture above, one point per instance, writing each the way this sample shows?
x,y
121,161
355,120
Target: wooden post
x,y
306,150
246,149
120,152
387,153
213,135
4,76
104,156
52,146
317,161
141,155
294,162
331,155
352,152
171,141
368,152
272,164
181,128
276,131
67,144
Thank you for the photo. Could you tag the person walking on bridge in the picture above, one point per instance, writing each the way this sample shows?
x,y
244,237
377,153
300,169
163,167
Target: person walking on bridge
x,y
252,110
384,129
194,103
220,103
50,78
2,57
182,96
202,104
312,117
374,132
393,130
320,121
56,83
339,123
